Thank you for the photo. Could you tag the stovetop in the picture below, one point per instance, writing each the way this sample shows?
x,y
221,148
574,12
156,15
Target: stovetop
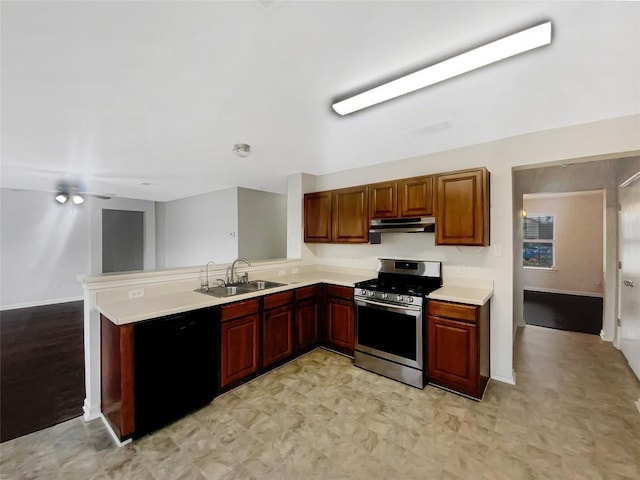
x,y
398,287
402,281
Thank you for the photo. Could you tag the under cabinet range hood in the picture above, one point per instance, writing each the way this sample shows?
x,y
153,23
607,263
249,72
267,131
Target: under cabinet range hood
x,y
403,225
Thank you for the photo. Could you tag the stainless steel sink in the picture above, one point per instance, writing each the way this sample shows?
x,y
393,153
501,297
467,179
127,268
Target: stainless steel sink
x,y
224,291
232,290
261,285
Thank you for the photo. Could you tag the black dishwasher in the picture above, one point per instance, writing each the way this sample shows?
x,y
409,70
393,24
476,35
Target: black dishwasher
x,y
176,365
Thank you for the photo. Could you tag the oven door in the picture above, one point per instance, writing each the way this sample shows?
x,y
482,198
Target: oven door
x,y
389,331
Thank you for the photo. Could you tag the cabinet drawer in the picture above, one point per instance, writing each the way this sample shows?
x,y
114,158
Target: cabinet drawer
x,y
239,309
453,310
278,299
340,292
306,292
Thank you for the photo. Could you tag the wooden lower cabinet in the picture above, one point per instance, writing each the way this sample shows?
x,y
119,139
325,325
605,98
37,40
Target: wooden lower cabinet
x,y
458,347
340,319
277,334
306,324
239,341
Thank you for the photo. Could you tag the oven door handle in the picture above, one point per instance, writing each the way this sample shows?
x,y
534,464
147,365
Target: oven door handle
x,y
389,305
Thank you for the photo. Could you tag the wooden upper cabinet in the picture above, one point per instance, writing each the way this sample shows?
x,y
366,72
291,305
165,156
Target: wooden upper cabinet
x,y
383,200
415,197
350,215
317,217
462,208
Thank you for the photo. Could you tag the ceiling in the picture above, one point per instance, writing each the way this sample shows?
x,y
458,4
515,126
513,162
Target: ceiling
x,y
146,99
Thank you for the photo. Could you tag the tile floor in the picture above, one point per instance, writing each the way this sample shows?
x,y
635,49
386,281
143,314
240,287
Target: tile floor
x,y
571,416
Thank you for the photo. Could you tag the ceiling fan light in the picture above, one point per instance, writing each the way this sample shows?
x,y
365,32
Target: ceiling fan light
x,y
77,199
487,54
62,197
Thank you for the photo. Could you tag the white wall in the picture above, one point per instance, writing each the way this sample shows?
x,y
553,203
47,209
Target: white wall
x,y
297,185
194,230
577,243
593,139
44,246
262,224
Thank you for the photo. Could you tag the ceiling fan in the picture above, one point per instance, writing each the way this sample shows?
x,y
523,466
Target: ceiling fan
x,y
66,185
74,190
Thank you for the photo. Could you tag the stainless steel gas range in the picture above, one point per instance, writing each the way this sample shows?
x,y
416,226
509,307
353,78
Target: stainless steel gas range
x,y
390,319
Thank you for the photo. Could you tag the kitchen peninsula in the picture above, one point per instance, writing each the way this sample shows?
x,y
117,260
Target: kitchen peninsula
x,y
250,333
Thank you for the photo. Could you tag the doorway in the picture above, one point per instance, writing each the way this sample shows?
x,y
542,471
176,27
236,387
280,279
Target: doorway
x,y
562,260
122,240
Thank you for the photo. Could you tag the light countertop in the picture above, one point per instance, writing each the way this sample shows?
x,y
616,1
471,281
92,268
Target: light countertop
x,y
153,306
462,294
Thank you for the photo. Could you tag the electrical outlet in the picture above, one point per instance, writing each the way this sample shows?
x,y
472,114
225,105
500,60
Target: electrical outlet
x,y
281,273
460,268
137,293
497,250
295,270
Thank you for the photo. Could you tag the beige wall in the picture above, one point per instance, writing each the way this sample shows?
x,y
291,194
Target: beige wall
x,y
578,243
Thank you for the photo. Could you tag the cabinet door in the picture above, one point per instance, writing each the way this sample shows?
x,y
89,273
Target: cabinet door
x,y
306,323
462,208
415,197
350,215
340,320
383,200
277,334
239,348
453,354
317,217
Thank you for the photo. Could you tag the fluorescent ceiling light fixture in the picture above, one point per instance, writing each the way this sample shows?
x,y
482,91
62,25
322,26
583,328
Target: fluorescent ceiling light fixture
x,y
77,199
506,47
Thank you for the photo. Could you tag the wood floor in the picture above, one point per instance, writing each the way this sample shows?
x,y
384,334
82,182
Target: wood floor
x,y
573,313
42,367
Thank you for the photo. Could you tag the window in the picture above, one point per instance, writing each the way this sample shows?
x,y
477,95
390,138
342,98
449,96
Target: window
x,y
537,243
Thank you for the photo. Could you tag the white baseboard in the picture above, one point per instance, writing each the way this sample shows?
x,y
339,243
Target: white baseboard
x,y
91,412
40,303
564,292
509,380
113,434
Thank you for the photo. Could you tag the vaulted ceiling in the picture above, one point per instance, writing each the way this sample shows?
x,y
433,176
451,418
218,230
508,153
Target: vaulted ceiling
x,y
146,99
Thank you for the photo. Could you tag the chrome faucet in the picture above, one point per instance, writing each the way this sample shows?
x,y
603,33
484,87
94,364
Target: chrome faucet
x,y
231,270
205,284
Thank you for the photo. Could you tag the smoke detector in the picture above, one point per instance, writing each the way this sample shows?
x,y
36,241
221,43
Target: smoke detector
x,y
242,149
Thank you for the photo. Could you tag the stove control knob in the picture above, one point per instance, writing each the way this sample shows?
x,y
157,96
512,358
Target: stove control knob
x,y
384,295
400,298
371,294
410,299
363,292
